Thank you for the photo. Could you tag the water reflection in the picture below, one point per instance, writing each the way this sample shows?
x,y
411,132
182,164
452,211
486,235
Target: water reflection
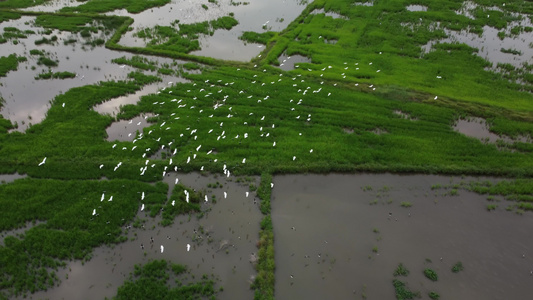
x,y
258,16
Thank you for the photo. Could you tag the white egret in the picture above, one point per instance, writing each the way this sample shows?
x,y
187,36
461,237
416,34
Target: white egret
x,y
173,202
94,211
247,194
142,196
110,199
205,197
42,162
162,248
142,207
102,198
188,247
225,195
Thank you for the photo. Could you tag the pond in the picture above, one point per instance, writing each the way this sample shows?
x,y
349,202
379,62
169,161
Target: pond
x,y
342,236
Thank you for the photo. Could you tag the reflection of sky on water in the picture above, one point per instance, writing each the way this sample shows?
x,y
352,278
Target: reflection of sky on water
x,y
27,100
275,14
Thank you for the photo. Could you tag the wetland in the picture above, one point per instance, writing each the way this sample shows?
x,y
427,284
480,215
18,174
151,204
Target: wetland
x,y
265,149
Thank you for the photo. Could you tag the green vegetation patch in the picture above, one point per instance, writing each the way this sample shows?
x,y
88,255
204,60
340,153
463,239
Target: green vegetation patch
x,y
254,37
101,6
457,267
401,270
183,200
160,279
184,39
431,274
402,291
20,3
72,221
55,75
8,63
136,61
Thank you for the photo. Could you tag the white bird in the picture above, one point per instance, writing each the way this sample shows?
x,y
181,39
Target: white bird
x,y
247,194
225,195
205,197
142,207
110,199
186,196
274,144
101,166
271,185
94,211
176,181
188,247
311,151
102,198
435,98
244,160
173,202
42,162
294,158
142,196
162,248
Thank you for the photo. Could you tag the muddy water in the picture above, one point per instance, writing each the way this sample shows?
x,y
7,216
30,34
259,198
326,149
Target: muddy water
x,y
257,15
7,178
229,237
112,107
324,237
479,129
127,130
288,63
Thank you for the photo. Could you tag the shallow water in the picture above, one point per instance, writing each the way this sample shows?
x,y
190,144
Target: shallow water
x,y
27,100
288,63
127,130
334,217
415,7
489,44
231,229
258,16
7,178
112,107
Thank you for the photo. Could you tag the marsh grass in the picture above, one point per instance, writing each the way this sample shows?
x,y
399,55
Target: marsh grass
x,y
101,6
164,280
56,75
73,136
7,64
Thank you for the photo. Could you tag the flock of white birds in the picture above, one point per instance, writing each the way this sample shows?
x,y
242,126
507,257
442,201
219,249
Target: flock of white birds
x,y
222,109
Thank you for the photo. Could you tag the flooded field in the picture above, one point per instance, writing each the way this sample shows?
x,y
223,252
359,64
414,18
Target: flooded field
x,y
223,244
342,236
258,16
493,42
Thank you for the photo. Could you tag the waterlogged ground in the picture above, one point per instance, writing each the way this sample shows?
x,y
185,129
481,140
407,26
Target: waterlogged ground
x,y
254,15
336,236
342,237
223,244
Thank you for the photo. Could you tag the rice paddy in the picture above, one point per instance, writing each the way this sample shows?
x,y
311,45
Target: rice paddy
x,y
125,123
